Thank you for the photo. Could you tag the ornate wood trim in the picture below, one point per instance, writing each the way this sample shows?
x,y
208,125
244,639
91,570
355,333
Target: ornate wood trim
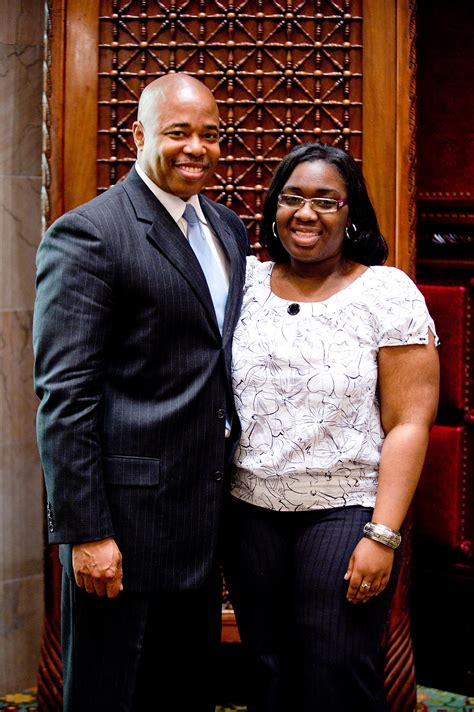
x,y
53,103
406,216
446,208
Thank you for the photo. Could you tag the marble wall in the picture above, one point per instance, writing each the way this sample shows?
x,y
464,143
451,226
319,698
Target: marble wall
x,y
21,494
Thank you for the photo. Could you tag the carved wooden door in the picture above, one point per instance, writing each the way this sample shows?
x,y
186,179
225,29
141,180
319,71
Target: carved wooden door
x,y
283,72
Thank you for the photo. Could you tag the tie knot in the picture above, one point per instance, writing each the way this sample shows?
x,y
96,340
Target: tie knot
x,y
190,215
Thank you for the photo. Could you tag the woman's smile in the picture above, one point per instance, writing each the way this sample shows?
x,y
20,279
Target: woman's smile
x,y
306,236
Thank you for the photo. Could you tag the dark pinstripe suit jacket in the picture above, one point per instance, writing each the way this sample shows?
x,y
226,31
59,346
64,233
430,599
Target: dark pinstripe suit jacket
x,y
134,381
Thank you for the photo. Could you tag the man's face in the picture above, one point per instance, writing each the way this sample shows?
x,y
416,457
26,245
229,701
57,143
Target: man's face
x,y
178,140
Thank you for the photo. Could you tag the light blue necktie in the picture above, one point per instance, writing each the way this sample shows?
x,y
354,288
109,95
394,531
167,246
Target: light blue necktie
x,y
214,277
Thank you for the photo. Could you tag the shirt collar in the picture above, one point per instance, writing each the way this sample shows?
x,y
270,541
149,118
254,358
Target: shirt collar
x,y
173,204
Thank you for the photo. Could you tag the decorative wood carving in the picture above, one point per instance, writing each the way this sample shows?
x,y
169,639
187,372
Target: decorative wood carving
x,y
53,111
282,73
406,217
49,681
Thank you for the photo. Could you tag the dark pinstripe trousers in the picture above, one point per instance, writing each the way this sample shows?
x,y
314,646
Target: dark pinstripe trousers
x,y
308,649
127,654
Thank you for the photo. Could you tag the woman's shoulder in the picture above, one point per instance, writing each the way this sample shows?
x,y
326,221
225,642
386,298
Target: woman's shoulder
x,y
256,271
389,276
398,307
391,284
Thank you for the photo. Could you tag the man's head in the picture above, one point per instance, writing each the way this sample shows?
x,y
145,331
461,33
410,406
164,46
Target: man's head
x,y
177,134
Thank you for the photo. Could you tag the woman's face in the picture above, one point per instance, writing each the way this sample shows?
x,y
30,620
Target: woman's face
x,y
306,235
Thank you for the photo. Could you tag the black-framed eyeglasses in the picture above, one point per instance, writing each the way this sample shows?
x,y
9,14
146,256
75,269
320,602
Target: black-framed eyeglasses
x,y
319,205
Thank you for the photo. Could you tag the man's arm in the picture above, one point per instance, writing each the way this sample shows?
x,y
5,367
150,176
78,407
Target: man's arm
x,y
71,328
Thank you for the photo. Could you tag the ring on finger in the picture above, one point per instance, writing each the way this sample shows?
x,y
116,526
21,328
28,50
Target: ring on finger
x,y
365,585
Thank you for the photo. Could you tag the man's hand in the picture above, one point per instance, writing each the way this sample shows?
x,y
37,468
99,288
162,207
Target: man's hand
x,y
98,567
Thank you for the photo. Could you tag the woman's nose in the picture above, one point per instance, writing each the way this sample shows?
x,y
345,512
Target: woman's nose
x,y
306,212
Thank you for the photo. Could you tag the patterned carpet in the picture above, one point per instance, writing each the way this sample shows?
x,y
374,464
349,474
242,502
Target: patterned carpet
x,y
429,700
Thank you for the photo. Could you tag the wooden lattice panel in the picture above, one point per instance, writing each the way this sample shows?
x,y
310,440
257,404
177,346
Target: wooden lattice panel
x,y
282,73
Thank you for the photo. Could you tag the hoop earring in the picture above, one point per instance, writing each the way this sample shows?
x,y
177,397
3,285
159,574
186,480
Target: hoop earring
x,y
275,234
351,233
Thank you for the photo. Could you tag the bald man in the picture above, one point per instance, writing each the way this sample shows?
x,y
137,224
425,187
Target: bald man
x,y
136,425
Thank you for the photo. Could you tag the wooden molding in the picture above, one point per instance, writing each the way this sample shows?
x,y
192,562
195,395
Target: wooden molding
x,y
80,96
405,218
389,123
69,105
53,112
378,112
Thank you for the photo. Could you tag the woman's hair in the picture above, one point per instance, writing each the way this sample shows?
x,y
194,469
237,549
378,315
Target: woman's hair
x,y
366,244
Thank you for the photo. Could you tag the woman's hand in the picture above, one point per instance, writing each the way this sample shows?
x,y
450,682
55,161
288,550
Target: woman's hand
x,y
368,571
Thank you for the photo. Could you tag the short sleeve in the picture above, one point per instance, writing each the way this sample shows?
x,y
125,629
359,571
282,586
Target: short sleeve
x,y
256,272
402,314
251,266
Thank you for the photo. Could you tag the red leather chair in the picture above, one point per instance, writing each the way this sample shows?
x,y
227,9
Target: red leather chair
x,y
444,503
443,561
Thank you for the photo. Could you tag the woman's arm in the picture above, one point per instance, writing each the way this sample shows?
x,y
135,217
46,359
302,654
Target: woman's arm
x,y
408,391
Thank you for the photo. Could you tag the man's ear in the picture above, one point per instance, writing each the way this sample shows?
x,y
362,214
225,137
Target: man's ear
x,y
138,134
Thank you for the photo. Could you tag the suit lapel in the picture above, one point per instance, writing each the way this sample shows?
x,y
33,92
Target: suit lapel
x,y
167,237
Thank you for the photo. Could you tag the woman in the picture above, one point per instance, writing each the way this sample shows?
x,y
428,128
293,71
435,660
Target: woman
x,y
335,424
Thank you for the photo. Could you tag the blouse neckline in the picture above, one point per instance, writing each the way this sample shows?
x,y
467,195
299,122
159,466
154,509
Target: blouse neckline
x,y
334,297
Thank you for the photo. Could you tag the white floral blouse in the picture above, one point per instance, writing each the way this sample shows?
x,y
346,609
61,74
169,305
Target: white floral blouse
x,y
305,384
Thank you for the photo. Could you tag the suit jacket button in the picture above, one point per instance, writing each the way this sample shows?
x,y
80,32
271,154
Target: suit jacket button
x,y
218,475
220,413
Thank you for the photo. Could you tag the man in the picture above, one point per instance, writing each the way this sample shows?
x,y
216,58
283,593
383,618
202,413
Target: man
x,y
132,338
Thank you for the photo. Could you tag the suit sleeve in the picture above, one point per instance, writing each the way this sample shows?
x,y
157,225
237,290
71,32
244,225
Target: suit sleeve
x,y
71,328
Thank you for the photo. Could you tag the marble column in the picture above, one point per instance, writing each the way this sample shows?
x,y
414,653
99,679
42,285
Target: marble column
x,y
21,493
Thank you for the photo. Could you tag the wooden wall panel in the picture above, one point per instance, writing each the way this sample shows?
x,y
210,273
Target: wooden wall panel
x,y
446,142
80,97
446,100
389,122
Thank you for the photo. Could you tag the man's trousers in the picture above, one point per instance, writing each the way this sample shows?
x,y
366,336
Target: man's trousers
x,y
140,652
